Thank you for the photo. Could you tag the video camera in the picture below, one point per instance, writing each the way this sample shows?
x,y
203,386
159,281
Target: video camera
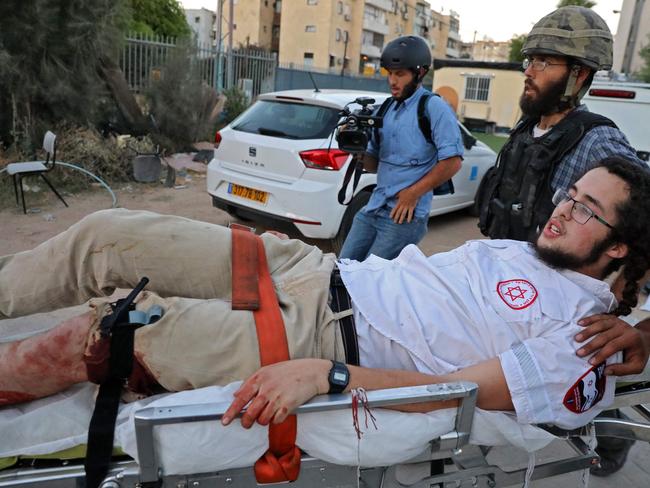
x,y
354,129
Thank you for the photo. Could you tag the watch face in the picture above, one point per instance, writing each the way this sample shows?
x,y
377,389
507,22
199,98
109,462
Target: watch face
x,y
339,377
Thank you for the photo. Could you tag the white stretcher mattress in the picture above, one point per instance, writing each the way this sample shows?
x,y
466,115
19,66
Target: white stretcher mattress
x,y
61,422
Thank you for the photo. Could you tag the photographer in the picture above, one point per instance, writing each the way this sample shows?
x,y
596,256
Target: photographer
x,y
409,162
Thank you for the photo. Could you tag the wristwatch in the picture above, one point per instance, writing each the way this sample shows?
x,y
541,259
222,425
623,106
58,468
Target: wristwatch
x,y
339,377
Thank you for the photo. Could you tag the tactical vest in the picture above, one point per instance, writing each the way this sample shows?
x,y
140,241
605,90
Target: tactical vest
x,y
516,200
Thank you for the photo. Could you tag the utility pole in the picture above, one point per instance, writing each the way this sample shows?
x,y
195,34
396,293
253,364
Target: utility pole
x,y
231,25
345,52
218,58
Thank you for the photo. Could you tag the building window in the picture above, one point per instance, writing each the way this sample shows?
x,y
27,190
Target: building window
x,y
477,88
266,3
332,61
275,32
339,8
277,6
308,59
197,20
310,28
312,2
338,35
264,28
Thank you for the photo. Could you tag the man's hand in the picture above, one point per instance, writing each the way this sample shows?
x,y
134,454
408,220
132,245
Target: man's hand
x,y
610,335
407,200
274,391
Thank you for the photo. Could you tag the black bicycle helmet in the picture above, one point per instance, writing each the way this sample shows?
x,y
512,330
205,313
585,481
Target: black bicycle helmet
x,y
406,52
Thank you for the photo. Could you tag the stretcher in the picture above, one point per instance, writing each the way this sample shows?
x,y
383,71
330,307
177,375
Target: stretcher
x,y
450,459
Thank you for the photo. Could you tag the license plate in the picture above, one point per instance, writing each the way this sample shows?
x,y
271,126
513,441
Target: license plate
x,y
248,193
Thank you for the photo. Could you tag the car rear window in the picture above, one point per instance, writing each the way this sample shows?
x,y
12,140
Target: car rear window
x,y
287,120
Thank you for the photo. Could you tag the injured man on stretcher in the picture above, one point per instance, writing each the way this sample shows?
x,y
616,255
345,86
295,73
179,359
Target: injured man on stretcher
x,y
500,313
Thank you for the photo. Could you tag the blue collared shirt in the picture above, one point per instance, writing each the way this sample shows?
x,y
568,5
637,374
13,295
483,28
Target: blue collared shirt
x,y
405,156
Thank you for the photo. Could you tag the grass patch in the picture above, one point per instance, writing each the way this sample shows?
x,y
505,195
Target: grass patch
x,y
495,142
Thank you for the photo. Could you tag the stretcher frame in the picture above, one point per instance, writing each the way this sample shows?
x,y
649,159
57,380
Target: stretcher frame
x,y
472,467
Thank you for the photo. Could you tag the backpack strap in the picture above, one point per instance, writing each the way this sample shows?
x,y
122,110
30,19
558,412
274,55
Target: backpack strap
x,y
423,117
425,127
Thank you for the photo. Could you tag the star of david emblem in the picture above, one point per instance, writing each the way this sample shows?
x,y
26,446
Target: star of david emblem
x,y
517,294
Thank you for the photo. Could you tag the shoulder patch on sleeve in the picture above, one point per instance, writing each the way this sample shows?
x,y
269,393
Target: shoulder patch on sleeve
x,y
587,391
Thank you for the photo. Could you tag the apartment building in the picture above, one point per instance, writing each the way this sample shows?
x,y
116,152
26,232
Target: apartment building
x,y
631,36
253,22
445,35
491,51
345,35
202,22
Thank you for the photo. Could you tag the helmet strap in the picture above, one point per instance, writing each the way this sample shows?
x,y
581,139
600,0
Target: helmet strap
x,y
571,85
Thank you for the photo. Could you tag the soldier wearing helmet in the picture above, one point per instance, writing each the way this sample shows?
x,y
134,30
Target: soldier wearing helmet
x,y
556,141
418,149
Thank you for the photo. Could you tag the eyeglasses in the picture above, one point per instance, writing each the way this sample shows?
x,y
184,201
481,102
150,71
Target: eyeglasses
x,y
579,211
538,65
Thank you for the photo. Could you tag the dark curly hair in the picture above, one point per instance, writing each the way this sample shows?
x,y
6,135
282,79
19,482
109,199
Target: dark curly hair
x,y
632,229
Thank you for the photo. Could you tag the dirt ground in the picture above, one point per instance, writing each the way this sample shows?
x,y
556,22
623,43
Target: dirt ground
x,y
47,216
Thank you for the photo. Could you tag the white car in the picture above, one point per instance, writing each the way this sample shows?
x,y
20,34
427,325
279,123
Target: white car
x,y
278,163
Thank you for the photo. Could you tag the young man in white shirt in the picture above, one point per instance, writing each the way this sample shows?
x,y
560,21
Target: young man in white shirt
x,y
493,312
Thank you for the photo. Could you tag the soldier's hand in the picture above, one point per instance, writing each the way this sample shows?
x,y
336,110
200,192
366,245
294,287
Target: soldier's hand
x,y
610,335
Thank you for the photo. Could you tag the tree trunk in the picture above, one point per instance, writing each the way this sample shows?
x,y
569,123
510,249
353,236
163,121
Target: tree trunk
x,y
123,97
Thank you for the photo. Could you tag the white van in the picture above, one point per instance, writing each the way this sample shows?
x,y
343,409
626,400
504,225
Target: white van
x,y
628,105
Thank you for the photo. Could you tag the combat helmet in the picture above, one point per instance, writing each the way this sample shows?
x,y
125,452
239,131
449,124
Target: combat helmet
x,y
577,32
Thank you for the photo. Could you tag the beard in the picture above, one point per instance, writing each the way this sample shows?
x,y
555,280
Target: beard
x,y
547,102
558,259
409,89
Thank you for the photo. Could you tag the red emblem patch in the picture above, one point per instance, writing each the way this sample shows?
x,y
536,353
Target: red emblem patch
x,y
587,391
517,294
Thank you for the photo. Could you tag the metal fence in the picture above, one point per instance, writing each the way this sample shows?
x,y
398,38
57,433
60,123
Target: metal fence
x,y
144,57
255,71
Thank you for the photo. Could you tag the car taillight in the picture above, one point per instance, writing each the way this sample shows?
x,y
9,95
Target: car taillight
x,y
217,140
330,159
609,93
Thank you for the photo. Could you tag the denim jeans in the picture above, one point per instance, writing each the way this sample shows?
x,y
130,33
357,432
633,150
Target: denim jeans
x,y
377,234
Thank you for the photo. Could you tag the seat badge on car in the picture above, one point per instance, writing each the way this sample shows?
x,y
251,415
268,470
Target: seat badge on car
x,y
252,151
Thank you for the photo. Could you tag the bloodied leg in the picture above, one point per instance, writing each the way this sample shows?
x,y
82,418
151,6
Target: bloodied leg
x,y
45,364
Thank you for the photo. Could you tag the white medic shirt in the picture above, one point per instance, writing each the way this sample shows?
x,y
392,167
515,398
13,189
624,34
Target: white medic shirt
x,y
485,299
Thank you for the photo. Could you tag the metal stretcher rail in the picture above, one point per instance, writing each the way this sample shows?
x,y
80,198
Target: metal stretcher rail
x,y
146,419
471,466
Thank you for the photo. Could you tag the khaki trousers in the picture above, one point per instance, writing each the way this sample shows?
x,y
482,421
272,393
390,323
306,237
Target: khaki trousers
x,y
199,341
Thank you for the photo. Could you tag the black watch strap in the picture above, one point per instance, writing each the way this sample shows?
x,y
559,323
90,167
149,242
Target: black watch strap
x,y
339,377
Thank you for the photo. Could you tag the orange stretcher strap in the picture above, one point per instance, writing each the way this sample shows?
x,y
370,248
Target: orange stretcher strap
x,y
245,291
281,462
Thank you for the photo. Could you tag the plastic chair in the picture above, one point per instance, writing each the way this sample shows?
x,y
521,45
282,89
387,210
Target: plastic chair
x,y
36,168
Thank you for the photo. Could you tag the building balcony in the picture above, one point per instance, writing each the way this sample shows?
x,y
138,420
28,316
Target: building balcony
x,y
452,53
382,4
370,50
375,25
454,35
